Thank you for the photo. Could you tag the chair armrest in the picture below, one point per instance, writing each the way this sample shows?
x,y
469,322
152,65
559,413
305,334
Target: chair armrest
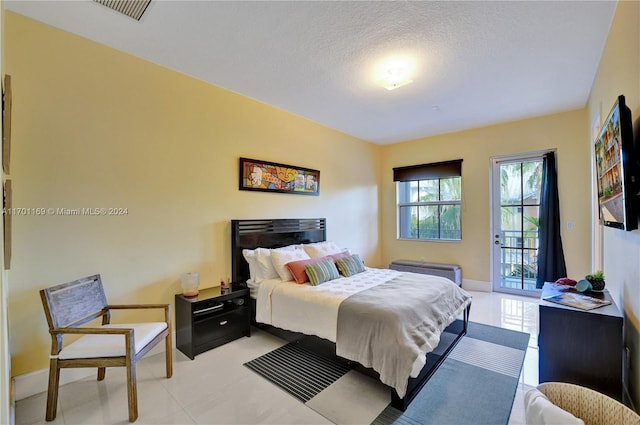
x,y
134,306
166,307
89,331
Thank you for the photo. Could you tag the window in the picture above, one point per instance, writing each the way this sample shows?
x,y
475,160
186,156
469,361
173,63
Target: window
x,y
429,199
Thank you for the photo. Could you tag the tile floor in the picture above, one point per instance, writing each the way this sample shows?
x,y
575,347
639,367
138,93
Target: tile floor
x,y
216,388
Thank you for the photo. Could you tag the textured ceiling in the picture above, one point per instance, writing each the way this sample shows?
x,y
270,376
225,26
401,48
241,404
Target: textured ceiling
x,y
475,63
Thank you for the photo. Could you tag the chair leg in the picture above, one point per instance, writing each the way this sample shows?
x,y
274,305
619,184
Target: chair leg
x,y
52,391
132,390
169,355
101,373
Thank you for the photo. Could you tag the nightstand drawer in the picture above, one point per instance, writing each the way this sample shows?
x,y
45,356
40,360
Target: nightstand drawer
x,y
220,326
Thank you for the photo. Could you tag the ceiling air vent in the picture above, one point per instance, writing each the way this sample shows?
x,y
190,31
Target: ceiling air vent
x,y
132,8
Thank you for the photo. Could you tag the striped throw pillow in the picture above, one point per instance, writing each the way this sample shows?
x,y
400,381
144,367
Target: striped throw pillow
x,y
350,265
322,271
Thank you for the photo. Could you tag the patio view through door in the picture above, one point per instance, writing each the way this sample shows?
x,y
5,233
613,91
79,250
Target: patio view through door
x,y
516,187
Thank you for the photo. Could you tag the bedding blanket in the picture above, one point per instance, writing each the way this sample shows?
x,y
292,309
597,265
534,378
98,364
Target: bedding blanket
x,y
313,310
395,341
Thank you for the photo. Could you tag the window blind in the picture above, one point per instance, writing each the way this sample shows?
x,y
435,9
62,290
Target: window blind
x,y
435,170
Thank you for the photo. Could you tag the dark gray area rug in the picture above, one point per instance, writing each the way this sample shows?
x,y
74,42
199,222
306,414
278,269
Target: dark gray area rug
x,y
476,384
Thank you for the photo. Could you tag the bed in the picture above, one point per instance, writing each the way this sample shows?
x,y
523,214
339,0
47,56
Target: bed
x,y
366,318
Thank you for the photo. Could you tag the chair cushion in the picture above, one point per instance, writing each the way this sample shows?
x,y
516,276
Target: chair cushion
x,y
540,411
93,346
593,406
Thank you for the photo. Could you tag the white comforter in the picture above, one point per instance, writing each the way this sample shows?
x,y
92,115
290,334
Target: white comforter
x,y
312,310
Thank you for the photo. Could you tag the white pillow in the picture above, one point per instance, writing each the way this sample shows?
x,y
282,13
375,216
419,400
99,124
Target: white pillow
x,y
540,411
264,266
281,256
321,249
250,256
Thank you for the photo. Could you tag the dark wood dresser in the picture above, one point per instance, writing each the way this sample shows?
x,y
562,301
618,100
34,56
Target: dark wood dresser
x,y
583,347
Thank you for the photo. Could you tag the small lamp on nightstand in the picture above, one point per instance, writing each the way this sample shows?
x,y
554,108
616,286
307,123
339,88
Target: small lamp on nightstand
x,y
190,282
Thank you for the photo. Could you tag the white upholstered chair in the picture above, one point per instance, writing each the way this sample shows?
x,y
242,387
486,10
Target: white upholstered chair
x,y
70,305
592,407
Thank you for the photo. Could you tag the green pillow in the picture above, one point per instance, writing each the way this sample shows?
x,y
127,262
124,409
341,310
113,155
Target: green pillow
x,y
350,265
321,271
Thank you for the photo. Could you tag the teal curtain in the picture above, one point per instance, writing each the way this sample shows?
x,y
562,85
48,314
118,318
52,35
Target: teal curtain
x,y
551,264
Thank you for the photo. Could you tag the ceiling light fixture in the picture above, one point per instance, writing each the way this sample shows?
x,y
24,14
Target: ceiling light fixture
x,y
396,77
394,72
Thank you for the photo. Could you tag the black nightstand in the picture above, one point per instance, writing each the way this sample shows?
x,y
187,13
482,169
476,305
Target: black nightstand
x,y
212,318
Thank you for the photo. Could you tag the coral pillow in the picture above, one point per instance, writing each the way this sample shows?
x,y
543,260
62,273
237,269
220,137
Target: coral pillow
x,y
296,268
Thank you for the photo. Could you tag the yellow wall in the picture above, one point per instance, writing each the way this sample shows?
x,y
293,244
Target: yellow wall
x,y
619,73
566,132
94,127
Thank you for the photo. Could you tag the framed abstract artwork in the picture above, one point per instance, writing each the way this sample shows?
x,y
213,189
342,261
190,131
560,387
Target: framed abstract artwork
x,y
281,178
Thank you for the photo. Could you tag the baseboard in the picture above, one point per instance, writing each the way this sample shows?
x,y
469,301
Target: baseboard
x,y
36,382
476,285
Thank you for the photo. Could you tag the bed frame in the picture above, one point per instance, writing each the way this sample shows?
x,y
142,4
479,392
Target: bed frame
x,y
276,233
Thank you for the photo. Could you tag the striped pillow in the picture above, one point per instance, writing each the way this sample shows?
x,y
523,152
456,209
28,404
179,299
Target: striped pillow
x,y
322,271
350,265
296,268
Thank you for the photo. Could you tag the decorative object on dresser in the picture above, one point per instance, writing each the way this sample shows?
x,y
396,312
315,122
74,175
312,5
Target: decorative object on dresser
x,y
596,280
579,346
581,301
69,306
214,317
450,271
273,177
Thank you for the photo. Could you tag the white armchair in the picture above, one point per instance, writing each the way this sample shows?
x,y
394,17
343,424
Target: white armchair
x,y
587,405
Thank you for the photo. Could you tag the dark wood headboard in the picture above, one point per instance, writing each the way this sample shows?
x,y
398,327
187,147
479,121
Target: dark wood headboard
x,y
276,233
